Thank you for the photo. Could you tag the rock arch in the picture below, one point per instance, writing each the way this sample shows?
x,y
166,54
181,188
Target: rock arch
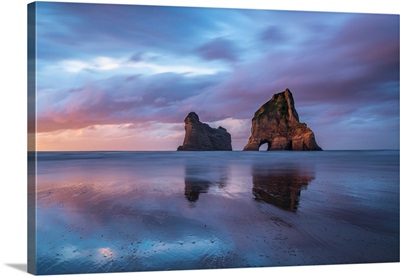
x,y
277,123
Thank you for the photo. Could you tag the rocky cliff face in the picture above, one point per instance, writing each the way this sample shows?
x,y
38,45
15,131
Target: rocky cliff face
x,y
201,137
277,123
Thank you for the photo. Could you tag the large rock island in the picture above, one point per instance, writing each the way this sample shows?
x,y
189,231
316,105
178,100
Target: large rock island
x,y
201,137
277,124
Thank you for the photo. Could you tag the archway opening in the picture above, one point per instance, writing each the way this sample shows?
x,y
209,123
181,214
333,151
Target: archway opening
x,y
264,146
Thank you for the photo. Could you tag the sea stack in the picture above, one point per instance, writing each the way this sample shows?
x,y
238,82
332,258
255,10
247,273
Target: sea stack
x,y
201,137
277,123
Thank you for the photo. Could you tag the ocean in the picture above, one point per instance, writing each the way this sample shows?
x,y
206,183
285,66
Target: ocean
x,y
146,211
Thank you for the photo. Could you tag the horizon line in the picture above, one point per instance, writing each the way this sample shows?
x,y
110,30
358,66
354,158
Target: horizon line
x,y
212,150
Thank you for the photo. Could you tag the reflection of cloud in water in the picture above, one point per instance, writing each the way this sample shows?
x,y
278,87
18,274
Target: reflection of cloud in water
x,y
281,185
200,177
106,252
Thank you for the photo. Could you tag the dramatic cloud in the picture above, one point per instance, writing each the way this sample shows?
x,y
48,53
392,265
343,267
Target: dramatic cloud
x,y
105,66
219,49
274,35
120,100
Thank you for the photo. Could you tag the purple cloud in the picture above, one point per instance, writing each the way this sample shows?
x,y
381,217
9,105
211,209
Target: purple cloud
x,y
122,100
274,35
219,49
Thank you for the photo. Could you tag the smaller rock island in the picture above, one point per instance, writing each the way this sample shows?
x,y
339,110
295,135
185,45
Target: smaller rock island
x,y
201,137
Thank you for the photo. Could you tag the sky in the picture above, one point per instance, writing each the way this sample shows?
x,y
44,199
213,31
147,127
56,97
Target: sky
x,y
124,77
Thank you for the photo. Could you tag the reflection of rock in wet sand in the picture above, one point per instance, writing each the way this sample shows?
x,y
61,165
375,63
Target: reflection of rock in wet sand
x,y
281,186
200,179
194,186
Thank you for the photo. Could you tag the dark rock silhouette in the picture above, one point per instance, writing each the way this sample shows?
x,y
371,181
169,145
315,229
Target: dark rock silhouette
x,y
277,123
201,137
200,177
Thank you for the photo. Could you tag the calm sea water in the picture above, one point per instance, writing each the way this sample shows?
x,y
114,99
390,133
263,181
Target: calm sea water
x,y
138,211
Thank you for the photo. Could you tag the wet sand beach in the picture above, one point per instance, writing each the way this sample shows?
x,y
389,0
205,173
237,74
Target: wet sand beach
x,y
141,211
